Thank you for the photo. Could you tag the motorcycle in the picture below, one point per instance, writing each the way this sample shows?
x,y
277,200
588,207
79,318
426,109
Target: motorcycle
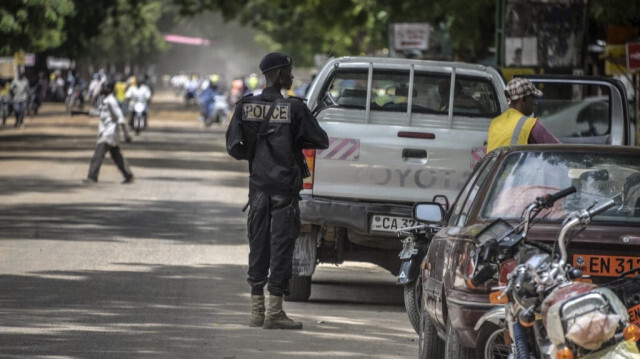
x,y
215,110
34,102
547,312
75,99
138,115
414,248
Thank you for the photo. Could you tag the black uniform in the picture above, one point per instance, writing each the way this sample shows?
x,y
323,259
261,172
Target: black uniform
x,y
275,180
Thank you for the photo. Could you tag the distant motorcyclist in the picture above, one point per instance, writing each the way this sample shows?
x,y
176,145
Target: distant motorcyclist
x,y
136,93
213,103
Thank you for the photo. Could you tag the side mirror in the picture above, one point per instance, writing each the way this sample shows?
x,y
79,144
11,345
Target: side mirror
x,y
326,101
428,212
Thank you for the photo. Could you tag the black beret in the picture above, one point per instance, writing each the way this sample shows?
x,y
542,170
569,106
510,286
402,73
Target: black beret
x,y
275,60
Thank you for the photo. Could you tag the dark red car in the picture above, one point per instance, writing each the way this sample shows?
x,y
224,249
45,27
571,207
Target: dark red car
x,y
503,183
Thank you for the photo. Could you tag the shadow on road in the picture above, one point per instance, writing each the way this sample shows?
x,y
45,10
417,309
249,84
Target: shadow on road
x,y
148,314
184,221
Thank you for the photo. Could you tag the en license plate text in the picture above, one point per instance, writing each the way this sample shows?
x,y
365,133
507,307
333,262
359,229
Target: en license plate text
x,y
604,266
391,223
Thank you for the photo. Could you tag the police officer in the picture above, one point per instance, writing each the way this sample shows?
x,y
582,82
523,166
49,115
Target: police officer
x,y
514,126
270,132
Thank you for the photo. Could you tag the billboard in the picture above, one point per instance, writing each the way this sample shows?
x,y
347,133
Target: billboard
x,y
544,33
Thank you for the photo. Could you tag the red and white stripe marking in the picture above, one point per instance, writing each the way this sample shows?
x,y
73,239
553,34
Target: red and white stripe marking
x,y
344,149
477,153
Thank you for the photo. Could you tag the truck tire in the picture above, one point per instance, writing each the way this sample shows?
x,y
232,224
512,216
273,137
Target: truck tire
x,y
412,293
299,289
430,344
453,349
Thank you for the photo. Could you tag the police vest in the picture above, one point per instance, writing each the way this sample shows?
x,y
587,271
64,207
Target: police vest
x,y
508,129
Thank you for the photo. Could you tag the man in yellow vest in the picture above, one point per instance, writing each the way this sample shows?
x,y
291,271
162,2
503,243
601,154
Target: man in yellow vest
x,y
514,126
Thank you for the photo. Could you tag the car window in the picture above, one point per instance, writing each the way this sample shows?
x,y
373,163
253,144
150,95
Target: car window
x,y
431,91
473,194
576,113
597,176
460,208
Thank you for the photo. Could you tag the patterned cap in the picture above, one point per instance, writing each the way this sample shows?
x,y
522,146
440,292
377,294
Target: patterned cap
x,y
519,88
275,60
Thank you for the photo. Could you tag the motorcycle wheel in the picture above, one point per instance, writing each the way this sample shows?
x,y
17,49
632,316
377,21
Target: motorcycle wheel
x,y
429,343
491,343
136,125
412,299
453,349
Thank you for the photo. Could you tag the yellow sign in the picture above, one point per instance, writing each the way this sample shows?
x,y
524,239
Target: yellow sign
x,y
510,72
18,58
615,59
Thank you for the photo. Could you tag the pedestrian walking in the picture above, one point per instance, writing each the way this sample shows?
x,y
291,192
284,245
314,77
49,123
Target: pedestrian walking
x,y
20,94
514,126
270,132
111,120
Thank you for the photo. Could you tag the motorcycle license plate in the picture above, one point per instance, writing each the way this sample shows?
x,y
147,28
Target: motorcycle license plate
x,y
391,223
604,266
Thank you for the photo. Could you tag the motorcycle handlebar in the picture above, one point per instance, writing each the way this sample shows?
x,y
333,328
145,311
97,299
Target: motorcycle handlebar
x,y
517,283
548,200
601,208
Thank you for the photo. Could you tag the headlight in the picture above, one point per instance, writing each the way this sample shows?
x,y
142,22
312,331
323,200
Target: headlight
x,y
139,107
585,317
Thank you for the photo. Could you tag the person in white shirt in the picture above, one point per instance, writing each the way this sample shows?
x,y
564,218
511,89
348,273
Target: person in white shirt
x,y
20,95
111,121
94,88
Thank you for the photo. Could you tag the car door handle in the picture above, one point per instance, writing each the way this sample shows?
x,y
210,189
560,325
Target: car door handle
x,y
414,153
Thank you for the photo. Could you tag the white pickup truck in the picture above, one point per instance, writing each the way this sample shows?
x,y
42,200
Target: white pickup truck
x,y
403,131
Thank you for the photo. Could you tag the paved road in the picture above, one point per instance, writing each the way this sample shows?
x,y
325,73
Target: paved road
x,y
156,269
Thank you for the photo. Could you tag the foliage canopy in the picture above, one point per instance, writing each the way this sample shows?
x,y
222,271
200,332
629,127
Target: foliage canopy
x,y
130,31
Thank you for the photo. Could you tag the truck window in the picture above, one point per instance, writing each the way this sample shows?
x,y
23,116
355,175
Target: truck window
x,y
576,112
390,92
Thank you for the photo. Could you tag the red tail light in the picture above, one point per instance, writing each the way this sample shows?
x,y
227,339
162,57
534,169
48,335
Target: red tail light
x,y
505,268
310,156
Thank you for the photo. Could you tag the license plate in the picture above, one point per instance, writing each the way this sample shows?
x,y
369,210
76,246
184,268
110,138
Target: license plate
x,y
390,223
634,314
604,266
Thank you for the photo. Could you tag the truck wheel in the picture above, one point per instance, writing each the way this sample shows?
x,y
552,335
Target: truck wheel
x,y
299,289
453,349
491,342
430,344
412,298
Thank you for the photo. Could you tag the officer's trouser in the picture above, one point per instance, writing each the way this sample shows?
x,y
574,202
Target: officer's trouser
x,y
273,226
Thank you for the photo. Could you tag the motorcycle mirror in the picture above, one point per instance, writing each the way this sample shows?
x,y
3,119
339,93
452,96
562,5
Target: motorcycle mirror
x,y
428,212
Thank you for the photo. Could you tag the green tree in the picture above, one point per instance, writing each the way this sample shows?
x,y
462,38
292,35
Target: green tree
x,y
129,35
32,25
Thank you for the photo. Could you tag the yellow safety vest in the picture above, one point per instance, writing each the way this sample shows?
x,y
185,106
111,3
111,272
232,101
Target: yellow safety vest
x,y
510,128
120,90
